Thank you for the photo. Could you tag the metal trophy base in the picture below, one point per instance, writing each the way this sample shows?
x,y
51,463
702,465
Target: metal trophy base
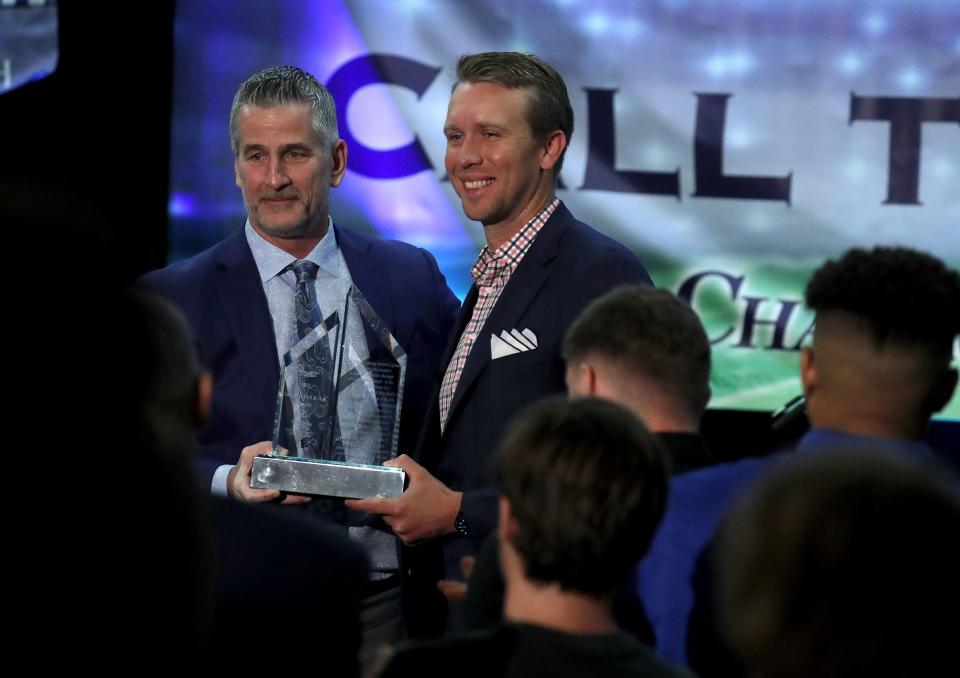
x,y
327,478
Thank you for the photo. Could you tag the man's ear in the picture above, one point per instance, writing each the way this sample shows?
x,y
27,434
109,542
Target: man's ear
x,y
236,173
203,399
507,531
943,390
581,380
808,371
592,380
552,150
507,527
338,164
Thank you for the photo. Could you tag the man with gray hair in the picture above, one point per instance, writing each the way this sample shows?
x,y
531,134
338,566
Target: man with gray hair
x,y
241,297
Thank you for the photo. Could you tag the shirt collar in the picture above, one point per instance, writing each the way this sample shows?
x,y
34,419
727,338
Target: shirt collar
x,y
830,439
505,259
272,261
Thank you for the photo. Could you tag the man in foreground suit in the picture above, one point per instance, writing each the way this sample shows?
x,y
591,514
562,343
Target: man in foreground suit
x,y
244,297
508,125
238,295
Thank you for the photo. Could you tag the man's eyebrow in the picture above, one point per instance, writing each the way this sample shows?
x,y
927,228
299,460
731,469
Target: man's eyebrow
x,y
286,148
480,124
297,146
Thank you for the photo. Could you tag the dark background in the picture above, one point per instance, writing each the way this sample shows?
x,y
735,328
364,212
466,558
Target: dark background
x,y
87,162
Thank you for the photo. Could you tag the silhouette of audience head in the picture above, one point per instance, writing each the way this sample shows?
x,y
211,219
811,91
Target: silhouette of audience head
x,y
843,565
643,348
132,548
583,486
886,321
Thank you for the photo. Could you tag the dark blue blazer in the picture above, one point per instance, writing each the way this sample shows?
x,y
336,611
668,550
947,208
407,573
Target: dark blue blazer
x,y
567,266
219,291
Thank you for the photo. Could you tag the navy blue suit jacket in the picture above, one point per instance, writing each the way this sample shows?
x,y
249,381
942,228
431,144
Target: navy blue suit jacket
x,y
567,266
220,292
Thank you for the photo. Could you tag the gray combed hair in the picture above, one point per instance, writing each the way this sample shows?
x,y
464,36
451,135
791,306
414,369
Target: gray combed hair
x,y
282,85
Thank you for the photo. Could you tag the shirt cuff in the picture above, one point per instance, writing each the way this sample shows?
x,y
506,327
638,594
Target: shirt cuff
x,y
218,486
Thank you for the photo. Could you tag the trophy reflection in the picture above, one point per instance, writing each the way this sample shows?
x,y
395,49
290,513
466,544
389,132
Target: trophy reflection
x,y
338,410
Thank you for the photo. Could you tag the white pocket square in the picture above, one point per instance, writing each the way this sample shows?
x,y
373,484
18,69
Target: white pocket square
x,y
514,341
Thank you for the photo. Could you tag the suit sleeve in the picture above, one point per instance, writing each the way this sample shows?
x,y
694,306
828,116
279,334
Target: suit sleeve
x,y
480,511
446,303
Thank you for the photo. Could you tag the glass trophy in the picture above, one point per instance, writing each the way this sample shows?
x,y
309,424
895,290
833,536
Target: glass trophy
x,y
338,409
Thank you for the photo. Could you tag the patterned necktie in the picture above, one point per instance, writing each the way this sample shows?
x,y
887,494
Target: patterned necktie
x,y
305,302
315,378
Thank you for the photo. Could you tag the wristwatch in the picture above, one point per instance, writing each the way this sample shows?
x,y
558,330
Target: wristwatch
x,y
460,524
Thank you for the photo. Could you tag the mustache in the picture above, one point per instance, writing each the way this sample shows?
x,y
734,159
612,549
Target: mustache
x,y
278,195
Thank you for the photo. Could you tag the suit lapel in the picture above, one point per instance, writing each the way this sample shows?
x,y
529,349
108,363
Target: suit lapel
x,y
426,451
245,305
516,297
369,276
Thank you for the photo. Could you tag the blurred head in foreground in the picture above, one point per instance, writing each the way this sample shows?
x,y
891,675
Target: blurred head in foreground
x,y
843,565
583,486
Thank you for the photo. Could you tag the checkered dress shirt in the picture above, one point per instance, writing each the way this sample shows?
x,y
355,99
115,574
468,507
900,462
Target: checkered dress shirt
x,y
491,272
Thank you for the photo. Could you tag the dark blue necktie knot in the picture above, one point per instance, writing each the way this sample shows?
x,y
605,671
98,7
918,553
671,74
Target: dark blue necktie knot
x,y
305,302
306,271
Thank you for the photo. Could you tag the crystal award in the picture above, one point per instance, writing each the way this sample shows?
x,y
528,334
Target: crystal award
x,y
338,409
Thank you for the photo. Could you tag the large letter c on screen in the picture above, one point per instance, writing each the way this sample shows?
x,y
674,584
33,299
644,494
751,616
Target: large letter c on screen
x,y
389,70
